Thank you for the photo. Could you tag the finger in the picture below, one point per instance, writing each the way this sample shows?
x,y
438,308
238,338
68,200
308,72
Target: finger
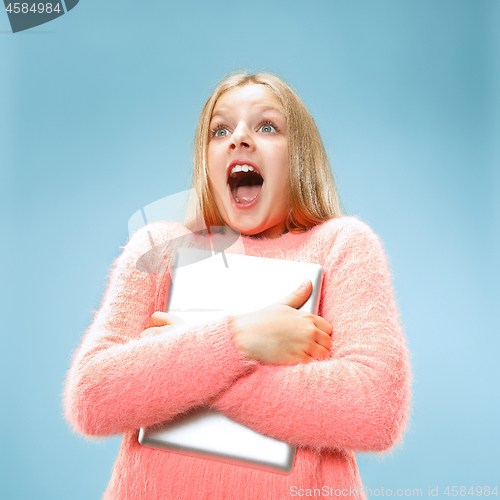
x,y
317,351
324,340
298,296
300,357
163,319
306,358
150,332
174,320
322,324
158,319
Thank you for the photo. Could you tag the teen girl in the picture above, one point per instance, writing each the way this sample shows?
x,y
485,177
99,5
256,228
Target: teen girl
x,y
332,384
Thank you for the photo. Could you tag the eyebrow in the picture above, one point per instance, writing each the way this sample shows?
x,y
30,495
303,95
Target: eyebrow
x,y
261,107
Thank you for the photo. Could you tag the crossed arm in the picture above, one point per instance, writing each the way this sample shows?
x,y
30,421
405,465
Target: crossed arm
x,y
357,398
119,381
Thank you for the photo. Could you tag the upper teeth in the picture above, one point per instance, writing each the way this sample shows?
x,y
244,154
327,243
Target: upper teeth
x,y
242,168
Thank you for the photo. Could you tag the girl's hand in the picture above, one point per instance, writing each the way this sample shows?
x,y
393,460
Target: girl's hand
x,y
280,334
159,322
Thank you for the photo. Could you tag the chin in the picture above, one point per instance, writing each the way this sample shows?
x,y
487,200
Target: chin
x,y
248,229
267,231
254,224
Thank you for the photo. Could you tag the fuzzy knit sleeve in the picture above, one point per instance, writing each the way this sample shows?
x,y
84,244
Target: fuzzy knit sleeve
x,y
119,381
359,398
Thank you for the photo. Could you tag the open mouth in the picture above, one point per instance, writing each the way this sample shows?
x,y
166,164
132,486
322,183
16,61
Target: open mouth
x,y
245,183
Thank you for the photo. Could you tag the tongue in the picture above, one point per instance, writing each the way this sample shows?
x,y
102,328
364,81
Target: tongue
x,y
246,194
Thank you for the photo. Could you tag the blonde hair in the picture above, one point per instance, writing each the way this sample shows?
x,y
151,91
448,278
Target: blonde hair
x,y
313,195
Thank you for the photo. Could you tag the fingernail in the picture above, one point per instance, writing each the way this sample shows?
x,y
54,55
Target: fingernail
x,y
304,284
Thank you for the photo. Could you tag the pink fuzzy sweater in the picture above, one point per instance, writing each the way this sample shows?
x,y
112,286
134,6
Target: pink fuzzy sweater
x,y
358,400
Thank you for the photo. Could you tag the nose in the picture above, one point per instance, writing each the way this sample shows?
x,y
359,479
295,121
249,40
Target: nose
x,y
241,138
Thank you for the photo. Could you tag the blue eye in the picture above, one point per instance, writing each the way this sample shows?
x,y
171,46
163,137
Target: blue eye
x,y
268,128
220,132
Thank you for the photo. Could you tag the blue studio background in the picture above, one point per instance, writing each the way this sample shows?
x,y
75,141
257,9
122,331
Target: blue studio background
x,y
97,113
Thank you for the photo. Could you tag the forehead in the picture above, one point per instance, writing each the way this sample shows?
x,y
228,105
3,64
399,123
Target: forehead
x,y
249,97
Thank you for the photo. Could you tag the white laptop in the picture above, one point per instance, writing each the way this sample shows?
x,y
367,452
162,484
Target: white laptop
x,y
206,287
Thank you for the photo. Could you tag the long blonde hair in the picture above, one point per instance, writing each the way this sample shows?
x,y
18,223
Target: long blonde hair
x,y
313,195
